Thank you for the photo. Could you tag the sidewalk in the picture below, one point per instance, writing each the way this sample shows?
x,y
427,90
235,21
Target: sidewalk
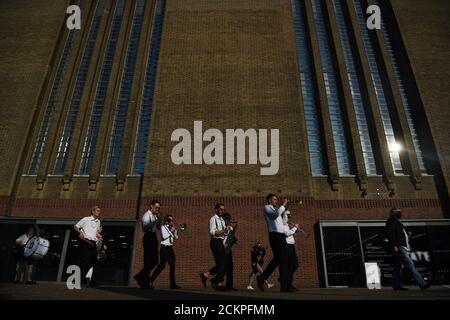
x,y
58,291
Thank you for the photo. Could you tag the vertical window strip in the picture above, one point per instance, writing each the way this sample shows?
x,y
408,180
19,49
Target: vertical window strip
x,y
403,95
74,106
379,91
145,112
311,107
90,143
334,105
47,120
354,82
120,118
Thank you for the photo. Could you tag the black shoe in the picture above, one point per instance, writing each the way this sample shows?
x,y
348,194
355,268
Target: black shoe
x,y
31,282
220,288
260,282
175,287
141,283
401,289
147,287
203,279
294,289
425,286
231,289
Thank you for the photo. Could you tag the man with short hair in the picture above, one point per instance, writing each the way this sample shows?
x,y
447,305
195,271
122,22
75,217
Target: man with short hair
x,y
277,239
151,223
399,244
167,253
290,230
87,230
218,231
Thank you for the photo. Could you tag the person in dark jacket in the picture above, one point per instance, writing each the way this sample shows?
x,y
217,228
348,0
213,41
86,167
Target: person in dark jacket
x,y
399,244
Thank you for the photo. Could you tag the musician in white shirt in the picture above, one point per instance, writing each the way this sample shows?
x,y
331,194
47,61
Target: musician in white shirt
x,y
273,216
290,230
218,231
87,229
151,223
166,253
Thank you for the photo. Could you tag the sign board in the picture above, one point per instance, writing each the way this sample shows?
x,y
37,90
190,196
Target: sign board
x,y
373,279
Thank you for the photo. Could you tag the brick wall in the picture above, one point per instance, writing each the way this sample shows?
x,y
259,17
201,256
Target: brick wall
x,y
73,208
194,255
192,249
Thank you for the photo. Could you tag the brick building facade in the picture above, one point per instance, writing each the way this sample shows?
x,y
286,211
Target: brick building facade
x,y
137,70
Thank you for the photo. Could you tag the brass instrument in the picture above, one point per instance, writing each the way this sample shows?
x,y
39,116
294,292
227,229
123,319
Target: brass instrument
x,y
292,224
181,226
296,202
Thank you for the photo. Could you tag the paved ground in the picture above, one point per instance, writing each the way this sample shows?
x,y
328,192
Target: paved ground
x,y
58,291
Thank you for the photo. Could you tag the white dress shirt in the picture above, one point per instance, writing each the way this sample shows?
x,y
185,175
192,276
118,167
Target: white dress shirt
x,y
290,232
89,226
216,223
147,219
23,239
168,236
407,247
274,218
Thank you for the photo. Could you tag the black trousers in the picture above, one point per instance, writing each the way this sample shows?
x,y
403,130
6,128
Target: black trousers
x,y
89,260
150,244
292,262
228,270
166,254
280,259
220,258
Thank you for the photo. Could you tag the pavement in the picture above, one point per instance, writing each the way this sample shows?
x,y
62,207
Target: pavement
x,y
59,291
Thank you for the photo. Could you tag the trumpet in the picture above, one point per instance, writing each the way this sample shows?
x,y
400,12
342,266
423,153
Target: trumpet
x,y
181,226
296,202
169,218
292,224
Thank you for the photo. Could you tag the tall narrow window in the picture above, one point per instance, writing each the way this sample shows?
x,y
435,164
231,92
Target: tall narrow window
x,y
64,144
337,114
311,107
41,142
354,83
145,113
118,129
403,95
90,143
379,90
47,120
